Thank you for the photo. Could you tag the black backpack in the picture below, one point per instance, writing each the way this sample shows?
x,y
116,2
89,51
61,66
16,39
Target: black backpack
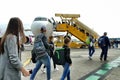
x,y
101,41
59,56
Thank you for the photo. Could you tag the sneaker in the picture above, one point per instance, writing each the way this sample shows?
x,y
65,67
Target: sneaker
x,y
50,79
106,60
90,58
56,69
100,59
43,70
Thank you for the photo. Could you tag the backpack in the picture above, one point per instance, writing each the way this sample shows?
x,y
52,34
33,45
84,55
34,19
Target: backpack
x,y
59,56
88,41
101,41
33,58
38,48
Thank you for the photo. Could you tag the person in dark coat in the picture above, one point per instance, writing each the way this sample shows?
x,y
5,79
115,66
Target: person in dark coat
x,y
105,47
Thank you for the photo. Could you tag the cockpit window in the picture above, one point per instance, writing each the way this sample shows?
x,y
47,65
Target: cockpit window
x,y
40,19
49,21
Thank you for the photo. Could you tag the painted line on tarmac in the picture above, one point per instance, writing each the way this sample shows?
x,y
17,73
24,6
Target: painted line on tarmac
x,y
26,62
103,71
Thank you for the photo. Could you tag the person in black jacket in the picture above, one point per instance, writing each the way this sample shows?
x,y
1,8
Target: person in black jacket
x,y
51,53
66,66
105,47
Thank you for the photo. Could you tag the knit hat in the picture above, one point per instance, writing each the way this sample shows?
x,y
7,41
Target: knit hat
x,y
43,28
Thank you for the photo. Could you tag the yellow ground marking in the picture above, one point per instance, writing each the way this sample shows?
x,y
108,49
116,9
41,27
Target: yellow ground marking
x,y
27,62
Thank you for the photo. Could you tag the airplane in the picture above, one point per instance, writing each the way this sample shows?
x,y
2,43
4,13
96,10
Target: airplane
x,y
50,25
43,21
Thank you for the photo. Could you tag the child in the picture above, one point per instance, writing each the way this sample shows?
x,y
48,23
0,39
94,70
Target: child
x,y
51,49
66,66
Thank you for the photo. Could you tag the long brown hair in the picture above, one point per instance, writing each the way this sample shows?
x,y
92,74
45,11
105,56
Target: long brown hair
x,y
14,27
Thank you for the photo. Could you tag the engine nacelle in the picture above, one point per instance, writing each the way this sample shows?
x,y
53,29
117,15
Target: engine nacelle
x,y
27,40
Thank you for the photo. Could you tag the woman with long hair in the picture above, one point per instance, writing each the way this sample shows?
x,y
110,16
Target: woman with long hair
x,y
10,64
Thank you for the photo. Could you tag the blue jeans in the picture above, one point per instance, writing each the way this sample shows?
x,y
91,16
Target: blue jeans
x,y
43,60
66,72
91,51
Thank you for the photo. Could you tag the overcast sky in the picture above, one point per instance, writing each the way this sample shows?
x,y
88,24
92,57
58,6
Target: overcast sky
x,y
100,15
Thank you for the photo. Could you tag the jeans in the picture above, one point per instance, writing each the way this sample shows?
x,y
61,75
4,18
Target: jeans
x,y
43,60
53,63
91,51
104,53
66,72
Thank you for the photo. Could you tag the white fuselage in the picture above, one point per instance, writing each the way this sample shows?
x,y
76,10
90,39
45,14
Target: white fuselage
x,y
38,23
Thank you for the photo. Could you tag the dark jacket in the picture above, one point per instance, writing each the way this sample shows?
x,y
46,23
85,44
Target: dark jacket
x,y
45,41
67,54
51,48
46,44
107,42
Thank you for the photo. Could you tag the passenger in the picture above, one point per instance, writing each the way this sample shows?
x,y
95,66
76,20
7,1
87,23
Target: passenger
x,y
112,44
10,64
67,36
51,53
91,47
66,71
43,59
105,47
30,37
116,44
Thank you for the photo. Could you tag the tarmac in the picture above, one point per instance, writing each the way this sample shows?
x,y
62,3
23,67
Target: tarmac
x,y
82,68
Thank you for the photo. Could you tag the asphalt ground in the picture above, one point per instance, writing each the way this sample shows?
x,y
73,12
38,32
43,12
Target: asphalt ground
x,y
82,68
